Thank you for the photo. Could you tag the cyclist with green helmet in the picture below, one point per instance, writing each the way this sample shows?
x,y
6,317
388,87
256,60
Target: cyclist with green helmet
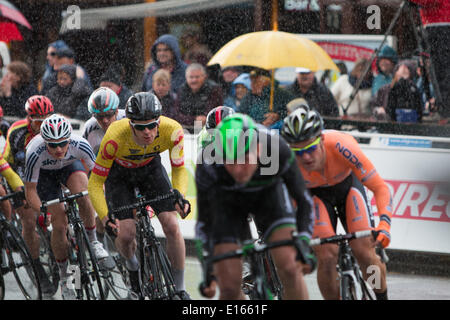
x,y
241,182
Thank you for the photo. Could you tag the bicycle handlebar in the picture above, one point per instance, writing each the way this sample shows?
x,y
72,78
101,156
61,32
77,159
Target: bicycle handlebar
x,y
70,197
350,236
141,203
341,237
12,195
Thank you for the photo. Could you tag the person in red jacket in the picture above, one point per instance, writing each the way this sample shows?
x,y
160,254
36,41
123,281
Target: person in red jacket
x,y
435,16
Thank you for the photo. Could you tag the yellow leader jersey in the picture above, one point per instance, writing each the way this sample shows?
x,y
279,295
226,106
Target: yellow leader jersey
x,y
10,175
119,146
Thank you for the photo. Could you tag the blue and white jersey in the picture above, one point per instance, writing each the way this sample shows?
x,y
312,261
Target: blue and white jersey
x,y
38,157
93,133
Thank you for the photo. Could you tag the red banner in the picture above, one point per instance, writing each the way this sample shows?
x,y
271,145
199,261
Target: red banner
x,y
345,52
420,200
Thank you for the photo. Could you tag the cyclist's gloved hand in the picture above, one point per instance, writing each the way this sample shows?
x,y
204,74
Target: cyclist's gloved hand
x,y
182,202
384,234
112,227
304,252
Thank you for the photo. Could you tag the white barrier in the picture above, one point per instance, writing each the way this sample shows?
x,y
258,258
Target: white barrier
x,y
417,172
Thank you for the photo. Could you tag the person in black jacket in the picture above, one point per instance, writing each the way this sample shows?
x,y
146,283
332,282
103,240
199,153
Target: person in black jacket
x,y
111,78
70,95
16,87
404,103
316,94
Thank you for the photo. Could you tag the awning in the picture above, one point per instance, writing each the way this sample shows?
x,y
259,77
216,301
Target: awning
x,y
97,18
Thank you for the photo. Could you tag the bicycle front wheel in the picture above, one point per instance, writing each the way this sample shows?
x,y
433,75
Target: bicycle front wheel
x,y
348,288
157,279
47,259
2,286
116,281
21,264
91,286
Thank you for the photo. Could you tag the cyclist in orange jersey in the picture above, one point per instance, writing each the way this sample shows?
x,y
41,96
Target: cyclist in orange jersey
x,y
335,171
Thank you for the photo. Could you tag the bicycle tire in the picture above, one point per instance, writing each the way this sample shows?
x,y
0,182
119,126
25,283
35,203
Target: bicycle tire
x,y
2,286
347,288
91,284
20,263
367,291
156,274
116,281
47,259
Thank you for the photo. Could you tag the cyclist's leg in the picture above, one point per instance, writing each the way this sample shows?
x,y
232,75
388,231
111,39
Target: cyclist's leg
x,y
358,218
77,181
327,254
275,218
228,273
228,227
29,234
175,246
289,270
48,188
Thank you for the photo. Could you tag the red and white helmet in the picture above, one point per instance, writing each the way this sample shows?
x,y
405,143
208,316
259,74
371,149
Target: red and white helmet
x,y
38,106
56,127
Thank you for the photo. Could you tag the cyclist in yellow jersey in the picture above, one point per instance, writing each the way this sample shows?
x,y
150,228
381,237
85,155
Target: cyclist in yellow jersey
x,y
129,159
14,182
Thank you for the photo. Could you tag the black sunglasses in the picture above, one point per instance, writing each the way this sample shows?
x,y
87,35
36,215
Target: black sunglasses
x,y
53,53
55,145
141,127
100,116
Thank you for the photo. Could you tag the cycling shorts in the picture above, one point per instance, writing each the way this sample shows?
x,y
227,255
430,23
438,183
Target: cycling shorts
x,y
49,182
271,208
150,180
347,201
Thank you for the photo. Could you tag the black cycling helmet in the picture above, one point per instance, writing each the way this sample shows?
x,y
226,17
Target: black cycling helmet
x,y
143,106
216,115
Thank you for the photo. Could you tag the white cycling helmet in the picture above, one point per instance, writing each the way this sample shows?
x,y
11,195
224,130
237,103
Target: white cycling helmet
x,y
302,124
56,127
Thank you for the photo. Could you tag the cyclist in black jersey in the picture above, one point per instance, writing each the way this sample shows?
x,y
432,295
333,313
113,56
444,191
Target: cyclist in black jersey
x,y
258,175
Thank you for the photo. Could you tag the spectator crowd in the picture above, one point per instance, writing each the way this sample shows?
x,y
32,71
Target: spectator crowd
x,y
395,90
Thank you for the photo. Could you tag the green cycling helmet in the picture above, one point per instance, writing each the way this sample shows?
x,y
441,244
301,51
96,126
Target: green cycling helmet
x,y
235,136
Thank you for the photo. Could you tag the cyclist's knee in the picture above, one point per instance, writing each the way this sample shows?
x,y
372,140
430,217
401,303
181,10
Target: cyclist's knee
x,y
290,270
230,290
170,225
327,255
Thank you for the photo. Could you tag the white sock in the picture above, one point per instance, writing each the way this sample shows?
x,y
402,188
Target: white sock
x,y
178,278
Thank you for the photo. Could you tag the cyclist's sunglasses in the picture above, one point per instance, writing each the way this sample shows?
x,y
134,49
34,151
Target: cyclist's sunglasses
x,y
60,144
37,119
141,127
101,116
308,149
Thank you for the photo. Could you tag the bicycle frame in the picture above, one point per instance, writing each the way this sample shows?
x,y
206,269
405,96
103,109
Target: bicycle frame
x,y
75,226
347,265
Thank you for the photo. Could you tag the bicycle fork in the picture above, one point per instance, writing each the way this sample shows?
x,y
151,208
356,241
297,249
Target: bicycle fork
x,y
347,266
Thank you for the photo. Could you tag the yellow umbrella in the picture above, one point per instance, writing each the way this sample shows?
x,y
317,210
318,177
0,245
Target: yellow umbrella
x,y
271,50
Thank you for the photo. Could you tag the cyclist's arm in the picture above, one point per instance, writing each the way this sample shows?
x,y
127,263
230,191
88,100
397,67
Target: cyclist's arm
x,y
32,196
176,153
205,192
99,173
365,171
298,191
11,176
